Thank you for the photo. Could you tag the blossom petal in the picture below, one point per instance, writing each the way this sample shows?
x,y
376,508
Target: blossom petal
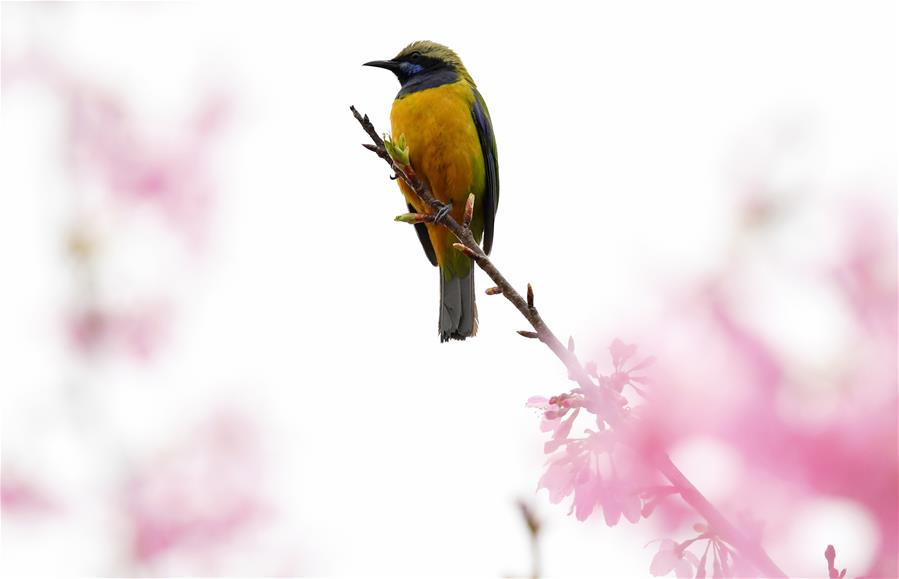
x,y
558,479
621,352
585,499
663,563
563,429
683,569
537,402
546,425
630,506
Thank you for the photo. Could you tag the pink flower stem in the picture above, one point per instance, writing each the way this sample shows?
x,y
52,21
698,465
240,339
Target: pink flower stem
x,y
750,549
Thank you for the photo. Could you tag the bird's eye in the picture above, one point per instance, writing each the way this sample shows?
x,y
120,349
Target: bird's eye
x,y
415,56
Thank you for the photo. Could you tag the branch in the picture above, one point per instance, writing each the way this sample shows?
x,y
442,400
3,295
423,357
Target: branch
x,y
691,495
466,238
533,525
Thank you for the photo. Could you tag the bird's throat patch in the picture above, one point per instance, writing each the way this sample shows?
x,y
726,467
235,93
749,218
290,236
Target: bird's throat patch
x,y
428,80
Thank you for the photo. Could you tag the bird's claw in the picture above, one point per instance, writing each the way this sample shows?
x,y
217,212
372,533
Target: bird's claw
x,y
443,210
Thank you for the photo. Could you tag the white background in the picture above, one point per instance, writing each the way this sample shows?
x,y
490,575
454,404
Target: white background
x,y
624,131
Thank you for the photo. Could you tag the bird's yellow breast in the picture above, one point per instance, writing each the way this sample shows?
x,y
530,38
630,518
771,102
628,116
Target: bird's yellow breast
x,y
445,152
443,141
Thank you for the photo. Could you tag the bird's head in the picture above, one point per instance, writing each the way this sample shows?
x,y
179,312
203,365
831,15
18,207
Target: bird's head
x,y
425,64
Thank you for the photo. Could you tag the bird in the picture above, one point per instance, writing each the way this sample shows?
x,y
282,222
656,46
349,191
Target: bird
x,y
452,149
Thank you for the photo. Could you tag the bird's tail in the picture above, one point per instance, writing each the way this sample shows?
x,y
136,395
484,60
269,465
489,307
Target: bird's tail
x,y
458,313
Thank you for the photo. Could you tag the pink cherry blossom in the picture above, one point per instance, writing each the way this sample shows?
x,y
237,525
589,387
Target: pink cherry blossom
x,y
673,557
194,498
554,411
600,471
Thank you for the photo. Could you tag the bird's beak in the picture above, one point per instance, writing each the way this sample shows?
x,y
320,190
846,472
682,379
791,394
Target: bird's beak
x,y
390,65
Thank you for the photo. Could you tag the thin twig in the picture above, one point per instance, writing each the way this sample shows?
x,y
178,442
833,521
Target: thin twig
x,y
533,525
691,495
466,238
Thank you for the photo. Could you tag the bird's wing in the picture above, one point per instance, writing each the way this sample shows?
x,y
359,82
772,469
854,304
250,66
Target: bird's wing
x,y
481,117
422,231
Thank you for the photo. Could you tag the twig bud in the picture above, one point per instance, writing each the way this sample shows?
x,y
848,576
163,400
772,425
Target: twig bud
x,y
530,296
414,218
397,149
571,344
466,250
469,211
528,334
492,291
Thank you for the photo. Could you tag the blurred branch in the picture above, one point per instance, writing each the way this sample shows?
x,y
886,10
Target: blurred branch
x,y
467,244
533,525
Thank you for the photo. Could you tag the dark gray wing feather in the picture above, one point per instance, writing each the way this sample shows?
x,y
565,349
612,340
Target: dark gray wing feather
x,y
422,232
481,117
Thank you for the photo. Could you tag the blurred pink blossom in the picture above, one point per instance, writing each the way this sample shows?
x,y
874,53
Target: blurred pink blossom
x,y
141,169
198,496
797,433
142,163
866,274
138,331
138,164
21,496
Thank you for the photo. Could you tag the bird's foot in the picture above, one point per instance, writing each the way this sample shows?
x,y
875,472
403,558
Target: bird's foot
x,y
443,210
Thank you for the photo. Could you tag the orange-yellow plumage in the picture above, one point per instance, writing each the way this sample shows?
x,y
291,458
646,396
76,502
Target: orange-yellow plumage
x,y
444,151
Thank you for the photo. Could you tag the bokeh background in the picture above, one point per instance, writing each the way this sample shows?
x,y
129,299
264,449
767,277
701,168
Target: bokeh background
x,y
219,352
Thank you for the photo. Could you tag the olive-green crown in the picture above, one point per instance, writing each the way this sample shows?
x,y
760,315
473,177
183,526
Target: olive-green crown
x,y
440,52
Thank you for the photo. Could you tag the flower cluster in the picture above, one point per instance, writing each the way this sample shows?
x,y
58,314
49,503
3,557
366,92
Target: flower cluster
x,y
600,470
609,469
168,174
717,555
122,168
196,496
